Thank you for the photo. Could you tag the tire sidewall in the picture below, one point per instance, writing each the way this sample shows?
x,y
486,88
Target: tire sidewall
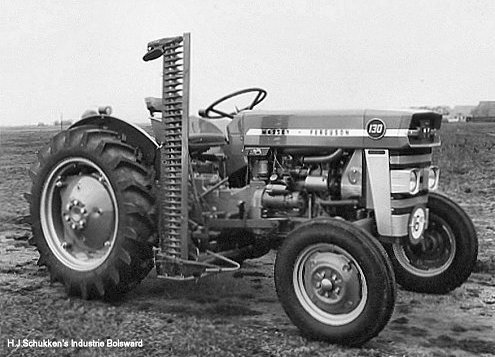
x,y
466,247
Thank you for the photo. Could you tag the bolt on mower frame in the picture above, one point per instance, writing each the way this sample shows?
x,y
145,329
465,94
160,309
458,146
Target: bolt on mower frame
x,y
172,259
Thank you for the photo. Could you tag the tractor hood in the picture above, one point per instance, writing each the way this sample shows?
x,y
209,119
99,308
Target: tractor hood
x,y
388,129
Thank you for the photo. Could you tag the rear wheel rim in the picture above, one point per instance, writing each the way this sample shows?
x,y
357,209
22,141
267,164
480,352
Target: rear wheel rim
x,y
330,284
79,213
434,255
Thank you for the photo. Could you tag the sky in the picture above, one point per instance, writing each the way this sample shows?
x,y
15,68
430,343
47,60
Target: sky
x,y
61,57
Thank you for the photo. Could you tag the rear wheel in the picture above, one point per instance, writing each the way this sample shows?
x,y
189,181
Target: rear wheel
x,y
446,256
91,212
335,282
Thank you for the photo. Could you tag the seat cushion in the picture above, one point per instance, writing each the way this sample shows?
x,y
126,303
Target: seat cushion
x,y
203,141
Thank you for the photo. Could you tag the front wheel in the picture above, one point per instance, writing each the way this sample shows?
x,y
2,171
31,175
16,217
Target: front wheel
x,y
335,282
446,256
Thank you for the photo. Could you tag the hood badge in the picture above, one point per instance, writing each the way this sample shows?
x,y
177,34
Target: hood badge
x,y
376,128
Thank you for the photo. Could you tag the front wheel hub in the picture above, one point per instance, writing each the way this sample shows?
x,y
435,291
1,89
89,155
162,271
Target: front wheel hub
x,y
418,222
434,255
329,284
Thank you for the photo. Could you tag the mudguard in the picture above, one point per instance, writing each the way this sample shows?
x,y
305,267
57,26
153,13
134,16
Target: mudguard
x,y
135,135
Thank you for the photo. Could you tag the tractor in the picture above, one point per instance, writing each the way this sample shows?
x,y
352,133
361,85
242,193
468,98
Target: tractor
x,y
346,197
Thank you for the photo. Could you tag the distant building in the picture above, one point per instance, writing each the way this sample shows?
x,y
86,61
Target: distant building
x,y
484,111
64,122
461,113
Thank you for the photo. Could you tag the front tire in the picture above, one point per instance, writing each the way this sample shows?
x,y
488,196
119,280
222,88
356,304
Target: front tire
x,y
447,255
91,212
335,282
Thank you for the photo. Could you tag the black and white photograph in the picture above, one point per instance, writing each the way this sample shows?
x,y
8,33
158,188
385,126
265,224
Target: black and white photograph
x,y
247,178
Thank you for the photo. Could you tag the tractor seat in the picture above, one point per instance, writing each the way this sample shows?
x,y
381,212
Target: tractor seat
x,y
204,141
198,141
154,105
202,133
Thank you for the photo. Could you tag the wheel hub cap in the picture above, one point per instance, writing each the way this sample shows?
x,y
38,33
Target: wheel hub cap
x,y
417,224
86,200
434,253
331,282
78,213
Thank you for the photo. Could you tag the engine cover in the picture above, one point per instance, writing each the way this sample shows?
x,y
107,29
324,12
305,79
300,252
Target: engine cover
x,y
392,129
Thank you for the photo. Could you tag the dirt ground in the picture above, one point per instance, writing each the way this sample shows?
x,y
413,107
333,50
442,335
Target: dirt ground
x,y
238,313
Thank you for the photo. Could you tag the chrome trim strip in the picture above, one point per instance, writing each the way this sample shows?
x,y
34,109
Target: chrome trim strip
x,y
400,225
378,189
410,202
409,159
361,133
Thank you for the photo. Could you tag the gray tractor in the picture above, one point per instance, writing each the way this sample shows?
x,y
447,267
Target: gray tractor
x,y
346,197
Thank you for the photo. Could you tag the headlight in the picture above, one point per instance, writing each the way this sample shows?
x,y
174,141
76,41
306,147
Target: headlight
x,y
414,182
433,175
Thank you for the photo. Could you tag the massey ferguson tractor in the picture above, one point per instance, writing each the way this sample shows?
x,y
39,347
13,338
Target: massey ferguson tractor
x,y
347,198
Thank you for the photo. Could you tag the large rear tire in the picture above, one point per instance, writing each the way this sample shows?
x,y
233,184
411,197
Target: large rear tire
x,y
335,282
447,255
92,209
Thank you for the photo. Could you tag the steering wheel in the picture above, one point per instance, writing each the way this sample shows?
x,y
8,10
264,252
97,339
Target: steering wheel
x,y
207,113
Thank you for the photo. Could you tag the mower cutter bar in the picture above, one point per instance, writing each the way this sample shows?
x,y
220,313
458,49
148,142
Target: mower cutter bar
x,y
174,156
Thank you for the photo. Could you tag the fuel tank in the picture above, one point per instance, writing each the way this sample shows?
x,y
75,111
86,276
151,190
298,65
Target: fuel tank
x,y
390,129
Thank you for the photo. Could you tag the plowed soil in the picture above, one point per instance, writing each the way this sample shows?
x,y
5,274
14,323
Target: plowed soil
x,y
238,314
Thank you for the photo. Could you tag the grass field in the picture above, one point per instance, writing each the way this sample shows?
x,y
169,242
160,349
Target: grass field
x,y
238,314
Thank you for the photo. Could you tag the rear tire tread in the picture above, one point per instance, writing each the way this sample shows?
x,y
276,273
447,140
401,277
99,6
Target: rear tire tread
x,y
134,256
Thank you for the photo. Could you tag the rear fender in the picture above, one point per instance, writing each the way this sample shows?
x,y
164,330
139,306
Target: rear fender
x,y
135,135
